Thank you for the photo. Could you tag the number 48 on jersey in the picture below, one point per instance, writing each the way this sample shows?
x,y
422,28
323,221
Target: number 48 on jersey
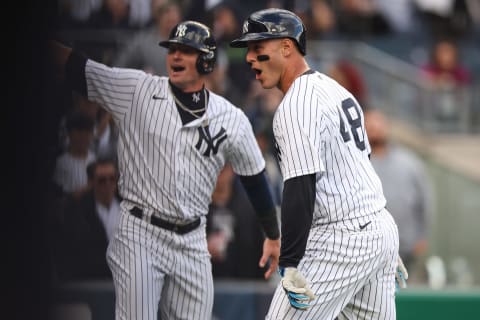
x,y
351,111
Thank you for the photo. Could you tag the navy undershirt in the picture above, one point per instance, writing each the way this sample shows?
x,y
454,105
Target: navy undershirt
x,y
186,98
260,196
298,201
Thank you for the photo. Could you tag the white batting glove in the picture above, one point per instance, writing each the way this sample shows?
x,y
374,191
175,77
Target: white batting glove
x,y
296,287
401,275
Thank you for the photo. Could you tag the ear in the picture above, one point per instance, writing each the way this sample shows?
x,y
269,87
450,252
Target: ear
x,y
287,47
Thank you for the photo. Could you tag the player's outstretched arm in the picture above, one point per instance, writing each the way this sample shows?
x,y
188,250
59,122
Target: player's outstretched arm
x,y
59,54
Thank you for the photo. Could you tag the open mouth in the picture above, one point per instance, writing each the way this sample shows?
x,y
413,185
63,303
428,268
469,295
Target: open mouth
x,y
257,71
178,68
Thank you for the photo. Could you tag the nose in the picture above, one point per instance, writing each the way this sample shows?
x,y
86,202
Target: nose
x,y
250,57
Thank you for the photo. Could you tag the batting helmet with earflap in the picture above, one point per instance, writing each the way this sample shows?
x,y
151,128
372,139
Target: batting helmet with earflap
x,y
196,35
272,23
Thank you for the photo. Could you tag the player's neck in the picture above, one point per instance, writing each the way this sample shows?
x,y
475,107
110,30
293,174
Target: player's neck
x,y
294,70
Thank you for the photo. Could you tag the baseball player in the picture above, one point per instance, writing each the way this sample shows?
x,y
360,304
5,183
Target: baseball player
x,y
339,244
176,136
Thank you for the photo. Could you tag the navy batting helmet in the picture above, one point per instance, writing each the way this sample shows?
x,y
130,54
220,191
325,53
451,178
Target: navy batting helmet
x,y
199,36
272,23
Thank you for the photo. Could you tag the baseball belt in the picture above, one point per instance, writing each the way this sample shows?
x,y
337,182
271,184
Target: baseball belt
x,y
156,221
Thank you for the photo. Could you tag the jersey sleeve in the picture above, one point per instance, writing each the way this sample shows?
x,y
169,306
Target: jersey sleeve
x,y
296,139
112,88
245,156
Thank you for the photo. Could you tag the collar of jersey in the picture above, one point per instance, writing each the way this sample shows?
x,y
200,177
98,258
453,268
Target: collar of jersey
x,y
197,122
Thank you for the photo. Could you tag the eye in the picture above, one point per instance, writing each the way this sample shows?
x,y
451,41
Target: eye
x,y
183,49
257,48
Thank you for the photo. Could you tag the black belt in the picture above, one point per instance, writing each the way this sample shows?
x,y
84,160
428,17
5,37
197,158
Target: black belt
x,y
156,221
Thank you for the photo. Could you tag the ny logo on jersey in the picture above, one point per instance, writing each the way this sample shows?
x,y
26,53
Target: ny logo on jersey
x,y
278,153
181,31
196,97
213,143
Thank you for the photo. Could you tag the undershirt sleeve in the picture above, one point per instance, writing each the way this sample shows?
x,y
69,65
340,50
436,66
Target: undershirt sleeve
x,y
260,196
298,202
75,72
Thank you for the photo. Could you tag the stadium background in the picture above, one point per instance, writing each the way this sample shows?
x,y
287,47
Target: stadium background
x,y
450,148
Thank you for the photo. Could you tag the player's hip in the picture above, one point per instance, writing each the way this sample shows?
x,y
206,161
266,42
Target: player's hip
x,y
376,231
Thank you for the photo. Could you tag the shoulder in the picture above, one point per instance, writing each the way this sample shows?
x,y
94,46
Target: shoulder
x,y
221,105
98,69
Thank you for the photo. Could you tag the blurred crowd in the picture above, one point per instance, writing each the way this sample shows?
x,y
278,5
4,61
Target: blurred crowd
x,y
84,200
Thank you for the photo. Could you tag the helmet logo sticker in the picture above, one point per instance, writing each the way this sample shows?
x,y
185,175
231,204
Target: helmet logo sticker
x,y
181,31
245,27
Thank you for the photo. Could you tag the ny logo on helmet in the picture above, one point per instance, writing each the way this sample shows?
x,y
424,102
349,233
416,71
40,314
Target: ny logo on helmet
x,y
181,30
213,143
245,26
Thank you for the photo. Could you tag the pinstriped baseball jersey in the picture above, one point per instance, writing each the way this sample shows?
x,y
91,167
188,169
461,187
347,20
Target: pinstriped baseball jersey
x,y
168,167
318,128
352,246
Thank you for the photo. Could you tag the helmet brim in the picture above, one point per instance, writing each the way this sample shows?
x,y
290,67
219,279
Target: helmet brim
x,y
242,42
167,43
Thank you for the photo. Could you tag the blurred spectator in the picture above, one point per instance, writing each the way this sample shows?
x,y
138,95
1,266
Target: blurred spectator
x,y
132,14
407,189
446,73
474,9
234,237
88,225
400,14
218,80
105,133
142,51
360,19
260,106
317,15
221,222
320,19
227,19
200,10
450,18
70,173
445,69
77,13
348,75
103,178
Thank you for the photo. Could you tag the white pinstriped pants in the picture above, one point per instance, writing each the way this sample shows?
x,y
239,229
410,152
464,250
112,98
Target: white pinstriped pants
x,y
156,268
351,271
